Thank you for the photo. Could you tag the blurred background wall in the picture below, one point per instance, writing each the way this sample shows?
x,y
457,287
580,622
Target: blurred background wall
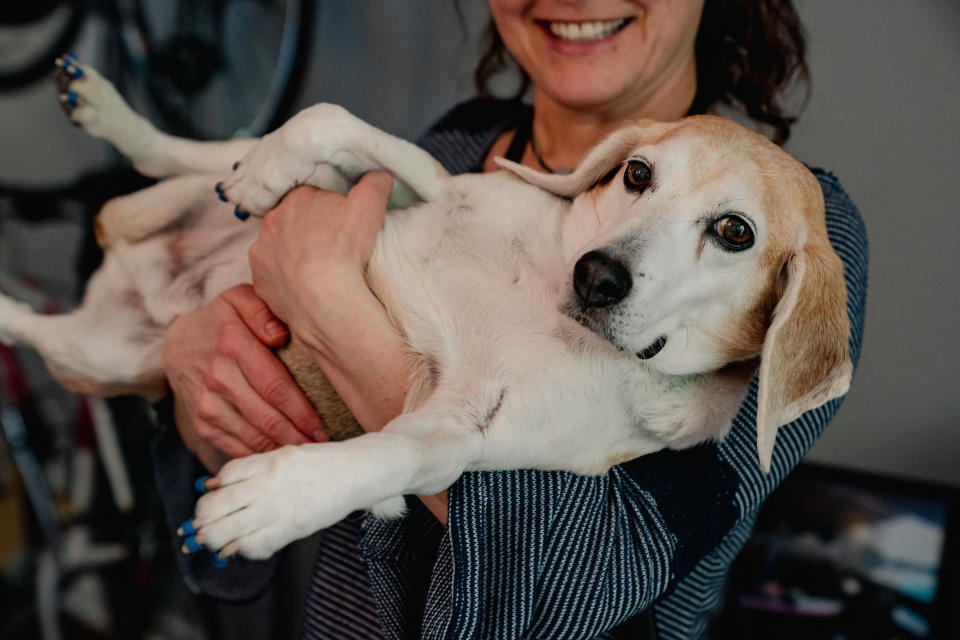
x,y
883,116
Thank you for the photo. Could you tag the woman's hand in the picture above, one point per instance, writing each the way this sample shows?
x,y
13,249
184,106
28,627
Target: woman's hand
x,y
233,396
315,244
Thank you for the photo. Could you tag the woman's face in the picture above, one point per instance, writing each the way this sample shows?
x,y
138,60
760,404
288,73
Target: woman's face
x,y
604,54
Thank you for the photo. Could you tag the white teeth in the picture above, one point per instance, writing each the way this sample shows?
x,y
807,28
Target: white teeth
x,y
585,31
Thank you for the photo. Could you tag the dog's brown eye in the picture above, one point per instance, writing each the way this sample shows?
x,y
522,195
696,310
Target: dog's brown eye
x,y
638,176
734,233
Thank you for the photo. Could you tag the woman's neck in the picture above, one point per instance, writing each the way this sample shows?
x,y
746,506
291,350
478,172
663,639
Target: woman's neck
x,y
563,135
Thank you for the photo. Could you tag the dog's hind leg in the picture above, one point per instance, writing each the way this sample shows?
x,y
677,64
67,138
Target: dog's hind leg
x,y
90,352
93,103
140,214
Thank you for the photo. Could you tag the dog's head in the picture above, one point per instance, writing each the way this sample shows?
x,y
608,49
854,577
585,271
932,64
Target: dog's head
x,y
699,244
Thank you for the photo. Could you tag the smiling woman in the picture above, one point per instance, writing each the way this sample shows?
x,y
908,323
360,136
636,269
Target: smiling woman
x,y
747,53
601,63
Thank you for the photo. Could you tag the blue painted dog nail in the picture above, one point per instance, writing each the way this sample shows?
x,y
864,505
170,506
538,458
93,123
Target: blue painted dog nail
x,y
75,72
219,561
69,55
191,544
236,165
220,193
72,99
241,215
187,528
198,484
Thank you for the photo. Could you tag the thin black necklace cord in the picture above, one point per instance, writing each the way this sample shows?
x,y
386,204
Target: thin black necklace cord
x,y
521,138
536,154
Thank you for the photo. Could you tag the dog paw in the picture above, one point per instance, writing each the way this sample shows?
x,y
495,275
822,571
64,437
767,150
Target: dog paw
x,y
94,104
314,147
267,173
257,505
66,70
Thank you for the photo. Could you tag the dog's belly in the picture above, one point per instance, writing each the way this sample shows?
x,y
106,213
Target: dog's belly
x,y
475,276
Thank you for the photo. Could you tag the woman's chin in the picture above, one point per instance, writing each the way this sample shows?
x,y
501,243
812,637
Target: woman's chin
x,y
583,93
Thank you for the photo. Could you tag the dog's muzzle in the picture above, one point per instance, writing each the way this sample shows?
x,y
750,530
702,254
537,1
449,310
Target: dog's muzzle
x,y
600,281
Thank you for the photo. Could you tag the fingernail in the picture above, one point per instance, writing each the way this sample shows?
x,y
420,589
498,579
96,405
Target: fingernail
x,y
320,435
187,528
274,329
190,545
219,561
241,215
198,484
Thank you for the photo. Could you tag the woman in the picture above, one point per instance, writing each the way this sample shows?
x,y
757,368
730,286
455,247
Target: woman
x,y
521,553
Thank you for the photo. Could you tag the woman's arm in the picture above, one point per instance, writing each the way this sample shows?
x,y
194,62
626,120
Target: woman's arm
x,y
308,265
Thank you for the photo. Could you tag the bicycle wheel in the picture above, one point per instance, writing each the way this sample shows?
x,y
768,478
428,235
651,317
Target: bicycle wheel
x,y
217,69
32,35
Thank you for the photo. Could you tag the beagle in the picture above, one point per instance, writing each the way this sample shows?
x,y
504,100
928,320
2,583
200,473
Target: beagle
x,y
557,321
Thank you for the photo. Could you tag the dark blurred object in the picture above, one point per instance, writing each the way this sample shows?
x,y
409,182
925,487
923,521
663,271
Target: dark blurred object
x,y
35,33
83,197
204,69
22,12
841,555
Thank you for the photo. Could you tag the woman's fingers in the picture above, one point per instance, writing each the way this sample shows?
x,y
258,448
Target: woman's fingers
x,y
370,196
230,404
234,393
257,315
267,396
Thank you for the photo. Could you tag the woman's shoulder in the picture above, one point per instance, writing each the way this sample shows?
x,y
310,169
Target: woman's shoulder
x,y
479,115
461,138
834,194
845,226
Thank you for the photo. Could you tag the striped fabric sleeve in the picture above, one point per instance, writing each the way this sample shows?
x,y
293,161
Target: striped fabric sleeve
x,y
555,555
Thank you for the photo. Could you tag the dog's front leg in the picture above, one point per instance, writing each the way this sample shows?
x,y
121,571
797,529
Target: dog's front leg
x,y
325,146
268,500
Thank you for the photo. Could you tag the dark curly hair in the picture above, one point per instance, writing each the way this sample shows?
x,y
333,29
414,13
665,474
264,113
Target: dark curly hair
x,y
748,53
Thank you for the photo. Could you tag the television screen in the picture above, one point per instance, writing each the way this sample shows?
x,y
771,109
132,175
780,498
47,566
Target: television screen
x,y
843,555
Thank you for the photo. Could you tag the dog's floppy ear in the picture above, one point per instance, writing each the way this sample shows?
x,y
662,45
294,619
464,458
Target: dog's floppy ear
x,y
805,359
607,154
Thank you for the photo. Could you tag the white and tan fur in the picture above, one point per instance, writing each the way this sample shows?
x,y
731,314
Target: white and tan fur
x,y
512,369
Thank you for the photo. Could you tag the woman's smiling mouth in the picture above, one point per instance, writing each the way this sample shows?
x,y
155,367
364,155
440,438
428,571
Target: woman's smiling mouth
x,y
583,31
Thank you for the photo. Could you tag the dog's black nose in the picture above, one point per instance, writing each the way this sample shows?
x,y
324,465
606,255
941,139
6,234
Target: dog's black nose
x,y
600,280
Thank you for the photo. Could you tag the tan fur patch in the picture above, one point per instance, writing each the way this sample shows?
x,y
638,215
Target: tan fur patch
x,y
618,458
99,233
338,422
152,386
747,333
